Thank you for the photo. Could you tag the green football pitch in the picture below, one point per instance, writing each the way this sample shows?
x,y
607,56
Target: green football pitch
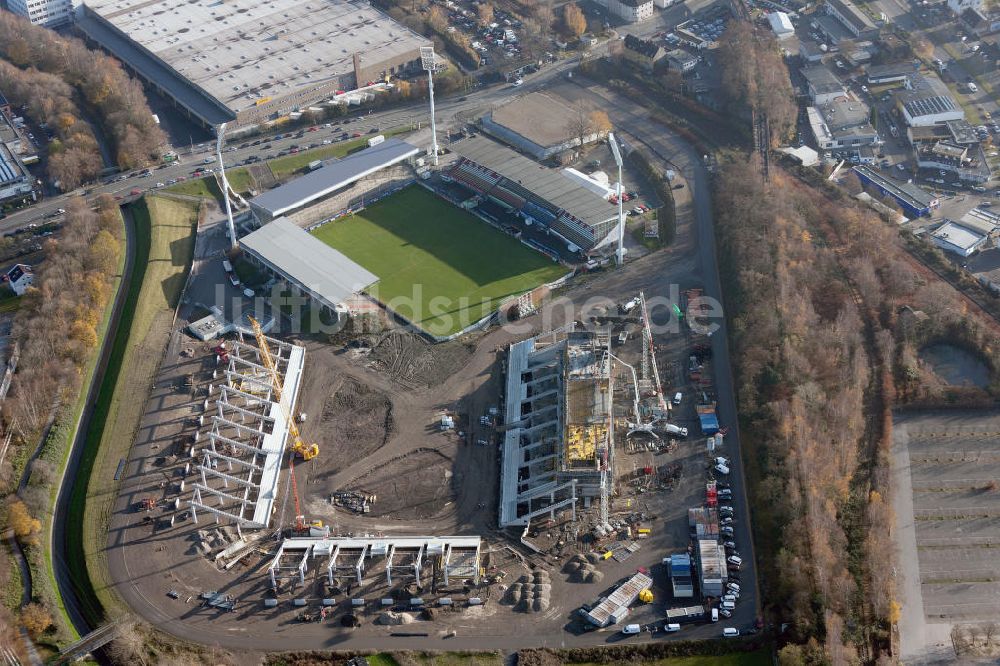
x,y
438,265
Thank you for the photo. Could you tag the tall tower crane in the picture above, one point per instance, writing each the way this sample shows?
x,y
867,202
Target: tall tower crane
x,y
298,446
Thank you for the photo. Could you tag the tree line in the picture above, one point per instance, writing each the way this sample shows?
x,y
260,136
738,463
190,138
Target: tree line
x,y
754,76
56,328
110,95
816,285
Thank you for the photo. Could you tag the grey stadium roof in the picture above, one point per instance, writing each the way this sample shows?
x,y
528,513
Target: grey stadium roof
x,y
333,175
547,184
307,261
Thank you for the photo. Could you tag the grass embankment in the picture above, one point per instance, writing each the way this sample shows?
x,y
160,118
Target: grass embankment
x,y
288,165
438,265
759,658
55,450
239,180
165,243
9,301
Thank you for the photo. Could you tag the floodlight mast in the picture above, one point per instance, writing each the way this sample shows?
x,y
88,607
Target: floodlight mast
x,y
620,255
221,132
428,62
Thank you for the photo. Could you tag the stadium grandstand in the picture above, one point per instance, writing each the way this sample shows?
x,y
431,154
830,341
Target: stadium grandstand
x,y
539,195
308,265
338,185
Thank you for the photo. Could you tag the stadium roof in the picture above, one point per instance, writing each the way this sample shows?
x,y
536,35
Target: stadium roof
x,y
301,258
333,175
547,184
240,51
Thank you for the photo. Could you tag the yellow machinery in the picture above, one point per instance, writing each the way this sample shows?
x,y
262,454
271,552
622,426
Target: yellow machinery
x,y
305,451
646,596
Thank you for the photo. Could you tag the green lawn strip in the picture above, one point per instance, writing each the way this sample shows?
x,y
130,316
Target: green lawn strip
x,y
165,234
56,448
758,658
459,659
239,180
438,265
9,301
286,166
13,585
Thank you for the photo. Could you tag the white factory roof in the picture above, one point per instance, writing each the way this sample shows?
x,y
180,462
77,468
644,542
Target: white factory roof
x,y
242,51
312,265
780,23
333,175
958,236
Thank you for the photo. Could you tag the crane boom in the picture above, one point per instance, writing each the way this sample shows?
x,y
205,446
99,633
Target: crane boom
x,y
307,451
647,331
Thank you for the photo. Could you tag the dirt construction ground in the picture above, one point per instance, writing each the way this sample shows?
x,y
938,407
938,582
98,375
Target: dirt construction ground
x,y
374,411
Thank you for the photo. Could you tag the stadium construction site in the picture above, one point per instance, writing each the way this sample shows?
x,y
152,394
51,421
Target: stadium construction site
x,y
394,473
567,470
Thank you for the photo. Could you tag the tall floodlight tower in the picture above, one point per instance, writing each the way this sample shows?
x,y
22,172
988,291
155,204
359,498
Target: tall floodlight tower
x,y
225,185
620,255
428,62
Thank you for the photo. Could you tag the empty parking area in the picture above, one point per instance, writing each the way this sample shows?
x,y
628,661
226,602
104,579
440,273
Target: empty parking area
x,y
953,461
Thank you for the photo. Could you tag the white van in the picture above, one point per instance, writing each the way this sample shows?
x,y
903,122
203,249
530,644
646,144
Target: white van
x,y
715,615
678,397
728,605
629,629
729,632
673,626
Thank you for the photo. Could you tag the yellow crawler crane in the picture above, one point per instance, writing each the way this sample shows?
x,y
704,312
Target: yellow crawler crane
x,y
305,451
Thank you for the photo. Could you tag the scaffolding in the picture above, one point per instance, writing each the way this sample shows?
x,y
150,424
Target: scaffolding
x,y
239,466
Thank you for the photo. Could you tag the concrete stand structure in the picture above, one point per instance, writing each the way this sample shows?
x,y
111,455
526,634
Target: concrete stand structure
x,y
404,558
241,460
559,433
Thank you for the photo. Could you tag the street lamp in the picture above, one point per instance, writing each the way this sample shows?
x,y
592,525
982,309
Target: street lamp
x,y
428,62
620,255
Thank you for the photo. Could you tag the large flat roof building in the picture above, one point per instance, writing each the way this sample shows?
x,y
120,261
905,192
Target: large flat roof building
x,y
914,201
546,196
851,17
245,62
535,123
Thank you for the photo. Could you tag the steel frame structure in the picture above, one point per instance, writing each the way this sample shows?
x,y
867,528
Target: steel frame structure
x,y
239,467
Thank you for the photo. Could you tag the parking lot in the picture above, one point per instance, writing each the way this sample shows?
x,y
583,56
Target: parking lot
x,y
949,465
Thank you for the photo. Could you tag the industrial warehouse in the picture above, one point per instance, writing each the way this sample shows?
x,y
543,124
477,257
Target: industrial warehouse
x,y
244,63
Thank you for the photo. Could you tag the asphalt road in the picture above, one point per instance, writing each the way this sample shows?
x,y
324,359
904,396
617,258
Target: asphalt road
x,y
669,147
450,110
